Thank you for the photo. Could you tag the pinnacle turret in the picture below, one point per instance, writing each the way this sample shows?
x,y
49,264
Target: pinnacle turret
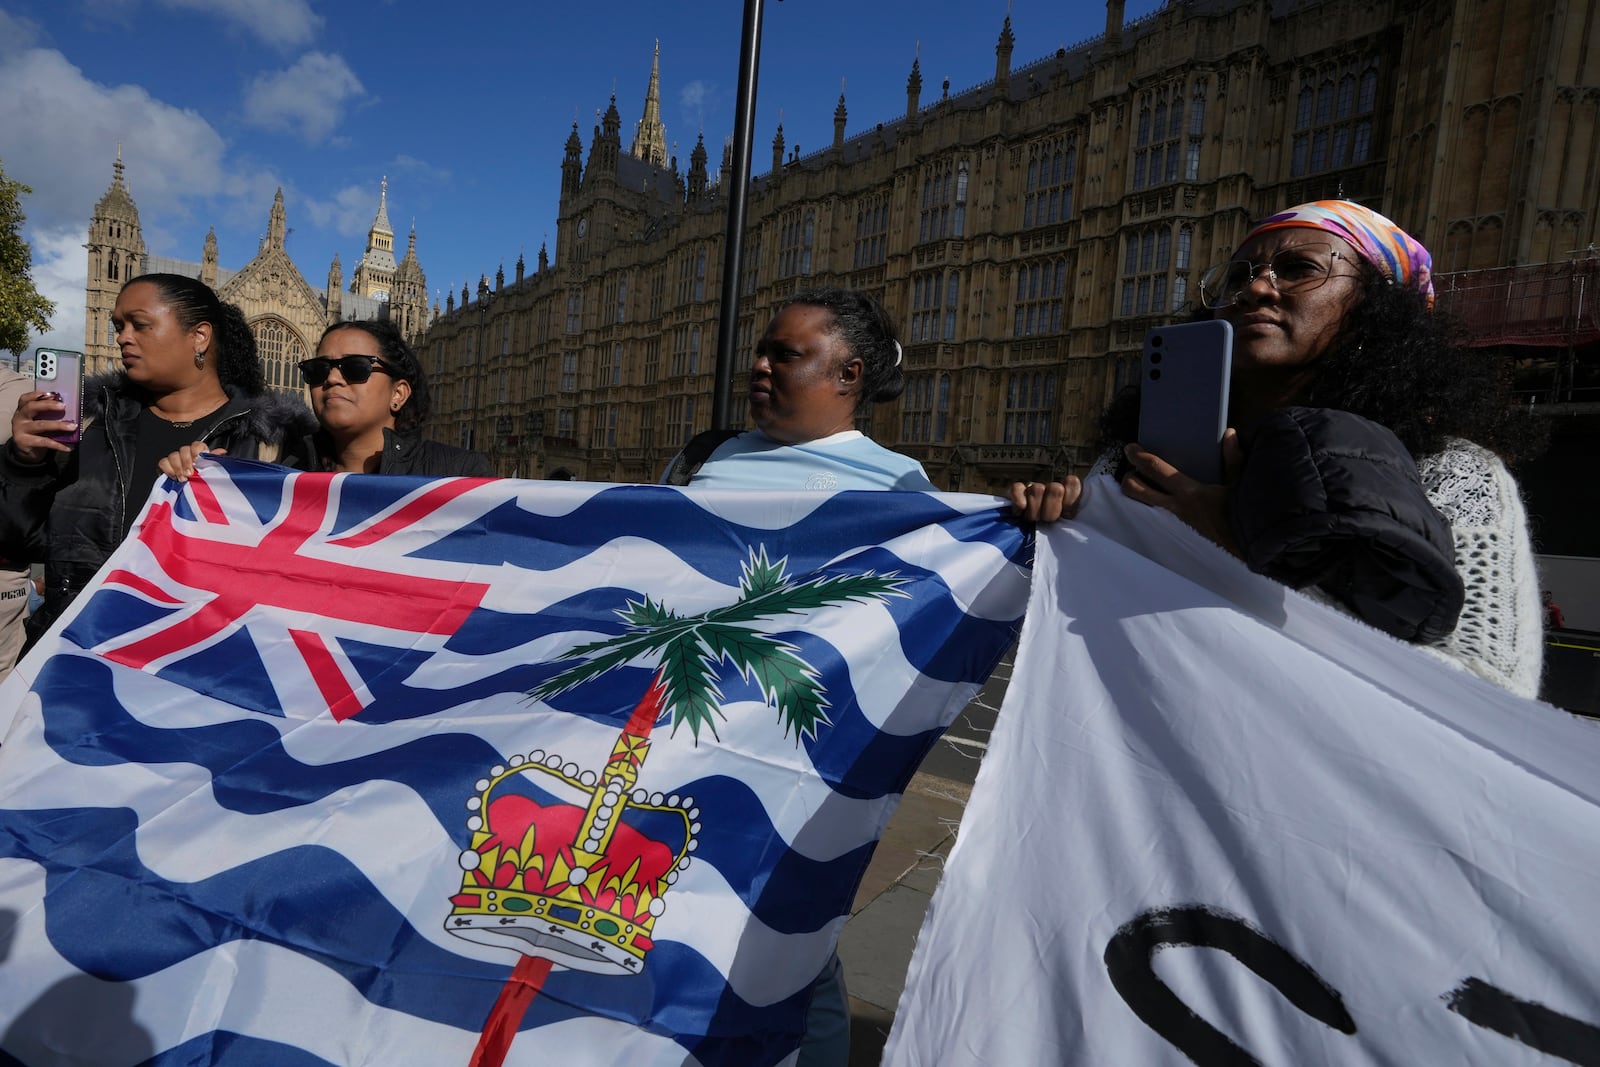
x,y
650,140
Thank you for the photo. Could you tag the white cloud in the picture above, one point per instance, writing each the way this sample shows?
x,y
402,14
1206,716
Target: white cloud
x,y
58,273
310,96
695,100
60,132
284,23
420,170
349,213
17,33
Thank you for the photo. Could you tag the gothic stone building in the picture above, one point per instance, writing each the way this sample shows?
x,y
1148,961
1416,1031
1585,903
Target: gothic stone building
x,y
285,313
1026,232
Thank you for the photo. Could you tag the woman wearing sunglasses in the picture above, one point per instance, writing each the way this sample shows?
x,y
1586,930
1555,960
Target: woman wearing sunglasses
x,y
370,398
189,371
1366,466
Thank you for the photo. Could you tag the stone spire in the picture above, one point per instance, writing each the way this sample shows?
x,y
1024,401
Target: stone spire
x,y
408,302
374,275
208,259
381,223
650,140
334,294
572,163
777,151
116,253
697,169
1114,15
839,114
914,89
277,227
1002,57
607,144
521,268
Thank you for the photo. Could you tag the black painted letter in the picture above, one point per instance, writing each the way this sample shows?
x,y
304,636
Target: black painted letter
x,y
1131,951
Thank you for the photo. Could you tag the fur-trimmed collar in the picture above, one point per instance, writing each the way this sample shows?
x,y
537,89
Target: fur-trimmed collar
x,y
272,416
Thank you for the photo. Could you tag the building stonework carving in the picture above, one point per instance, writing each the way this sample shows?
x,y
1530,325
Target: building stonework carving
x,y
285,313
1025,233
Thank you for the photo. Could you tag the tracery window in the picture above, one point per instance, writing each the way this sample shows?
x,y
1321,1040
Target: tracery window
x,y
1163,149
1154,280
1333,117
1040,295
1052,167
1030,404
943,211
925,408
872,231
935,296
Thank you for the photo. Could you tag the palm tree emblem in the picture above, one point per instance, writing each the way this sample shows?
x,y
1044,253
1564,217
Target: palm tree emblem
x,y
692,653
691,649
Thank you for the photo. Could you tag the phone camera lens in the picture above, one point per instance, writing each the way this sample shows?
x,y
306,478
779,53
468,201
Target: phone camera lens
x,y
1155,342
1155,357
1155,375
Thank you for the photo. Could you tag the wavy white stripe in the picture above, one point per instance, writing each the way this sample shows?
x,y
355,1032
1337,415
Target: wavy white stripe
x,y
68,1018
184,836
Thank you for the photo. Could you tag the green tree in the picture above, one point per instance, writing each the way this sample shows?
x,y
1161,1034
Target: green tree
x,y
22,309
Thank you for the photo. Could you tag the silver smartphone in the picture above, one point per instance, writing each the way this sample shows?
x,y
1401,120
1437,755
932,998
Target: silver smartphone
x,y
1183,395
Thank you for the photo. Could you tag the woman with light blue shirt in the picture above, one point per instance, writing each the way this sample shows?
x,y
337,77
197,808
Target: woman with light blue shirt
x,y
826,354
824,357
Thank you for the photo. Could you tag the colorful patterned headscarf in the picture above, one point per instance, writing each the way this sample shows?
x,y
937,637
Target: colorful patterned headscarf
x,y
1381,243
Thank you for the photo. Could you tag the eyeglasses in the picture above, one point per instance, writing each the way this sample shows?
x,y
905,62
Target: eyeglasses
x,y
353,369
1293,270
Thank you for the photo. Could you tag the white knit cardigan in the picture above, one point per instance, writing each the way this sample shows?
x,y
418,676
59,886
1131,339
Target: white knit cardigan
x,y
1501,633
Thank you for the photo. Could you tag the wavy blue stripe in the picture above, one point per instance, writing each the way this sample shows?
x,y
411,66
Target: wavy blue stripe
x,y
235,1050
111,917
252,774
711,543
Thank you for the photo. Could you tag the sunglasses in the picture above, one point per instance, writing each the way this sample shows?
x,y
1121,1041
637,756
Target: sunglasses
x,y
353,369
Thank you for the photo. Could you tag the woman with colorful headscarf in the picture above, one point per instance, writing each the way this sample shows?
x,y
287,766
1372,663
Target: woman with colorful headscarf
x,y
1362,468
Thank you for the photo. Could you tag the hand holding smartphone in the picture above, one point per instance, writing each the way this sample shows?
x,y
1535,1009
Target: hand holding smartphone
x,y
60,373
1183,396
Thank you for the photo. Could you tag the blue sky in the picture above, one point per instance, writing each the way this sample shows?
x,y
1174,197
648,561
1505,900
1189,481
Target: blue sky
x,y
465,107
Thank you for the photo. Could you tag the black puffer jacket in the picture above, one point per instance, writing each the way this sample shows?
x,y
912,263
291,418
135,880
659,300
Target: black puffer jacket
x,y
1330,499
68,510
408,454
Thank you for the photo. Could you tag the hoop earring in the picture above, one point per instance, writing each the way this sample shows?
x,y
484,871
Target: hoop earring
x,y
199,359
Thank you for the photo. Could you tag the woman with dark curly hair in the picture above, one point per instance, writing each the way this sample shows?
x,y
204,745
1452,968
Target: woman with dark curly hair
x,y
189,370
1362,469
370,398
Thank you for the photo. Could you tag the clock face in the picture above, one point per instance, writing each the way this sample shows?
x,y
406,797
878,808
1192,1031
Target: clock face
x,y
381,294
583,227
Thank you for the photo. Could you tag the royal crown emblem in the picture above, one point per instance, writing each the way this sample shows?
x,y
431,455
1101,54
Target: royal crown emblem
x,y
571,865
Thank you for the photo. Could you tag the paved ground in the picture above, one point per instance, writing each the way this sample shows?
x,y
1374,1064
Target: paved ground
x,y
876,943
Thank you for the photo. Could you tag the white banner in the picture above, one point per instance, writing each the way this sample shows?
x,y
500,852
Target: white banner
x,y
1219,823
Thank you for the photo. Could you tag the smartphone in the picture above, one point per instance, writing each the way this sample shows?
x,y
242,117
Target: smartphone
x,y
58,371
1183,395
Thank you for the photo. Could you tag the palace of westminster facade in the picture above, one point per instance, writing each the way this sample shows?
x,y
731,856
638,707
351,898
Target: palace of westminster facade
x,y
286,314
1025,233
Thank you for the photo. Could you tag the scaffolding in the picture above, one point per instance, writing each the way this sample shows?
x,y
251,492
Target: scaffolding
x,y
1547,317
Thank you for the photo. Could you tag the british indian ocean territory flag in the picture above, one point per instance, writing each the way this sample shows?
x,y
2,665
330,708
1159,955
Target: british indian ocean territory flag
x,y
355,770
